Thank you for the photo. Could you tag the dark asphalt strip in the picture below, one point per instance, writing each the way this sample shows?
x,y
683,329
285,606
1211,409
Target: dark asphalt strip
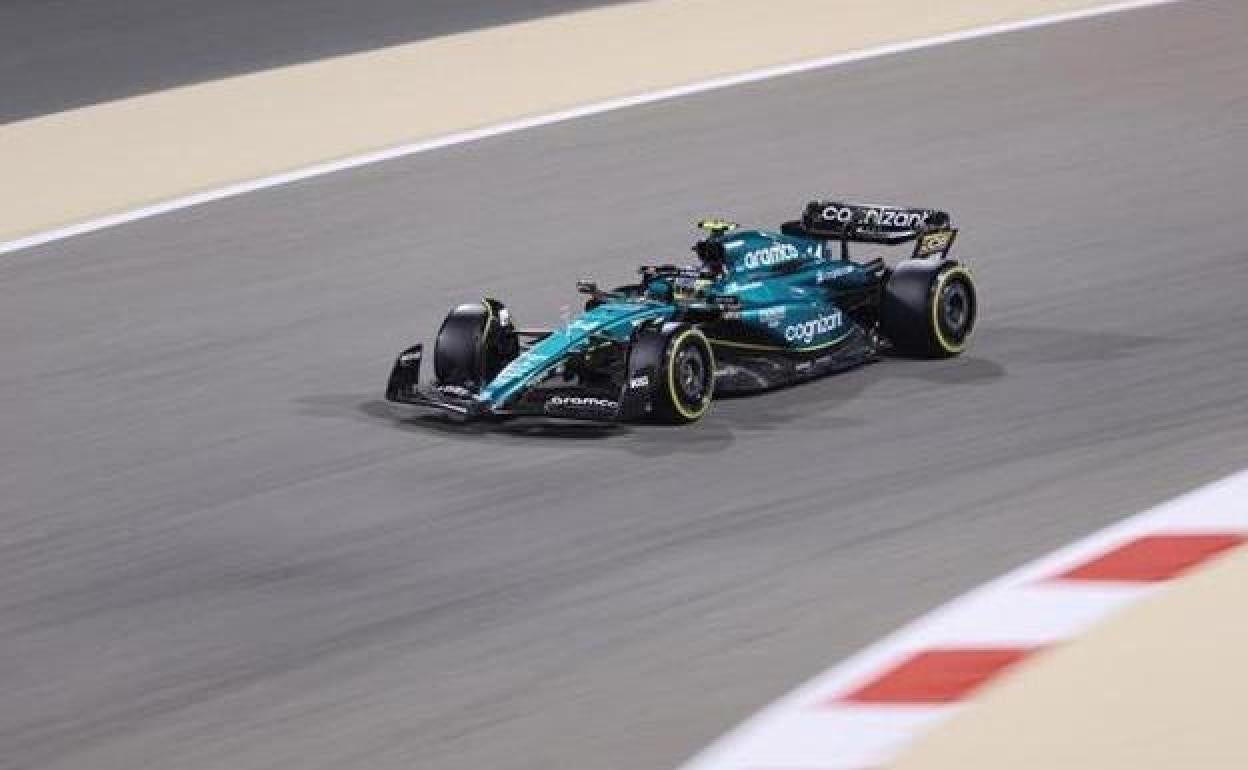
x,y
60,54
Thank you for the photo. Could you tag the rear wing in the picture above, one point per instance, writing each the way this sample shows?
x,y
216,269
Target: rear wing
x,y
930,229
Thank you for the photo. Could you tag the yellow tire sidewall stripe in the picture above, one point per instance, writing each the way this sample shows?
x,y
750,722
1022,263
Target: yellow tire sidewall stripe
x,y
937,288
670,360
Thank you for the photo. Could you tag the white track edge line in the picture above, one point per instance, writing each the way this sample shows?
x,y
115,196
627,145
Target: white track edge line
x,y
867,661
595,108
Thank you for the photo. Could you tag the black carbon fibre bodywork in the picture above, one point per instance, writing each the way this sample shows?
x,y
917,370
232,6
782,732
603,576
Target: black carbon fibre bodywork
x,y
743,370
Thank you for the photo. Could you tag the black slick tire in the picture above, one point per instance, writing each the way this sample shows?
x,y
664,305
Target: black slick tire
x,y
474,343
929,310
686,378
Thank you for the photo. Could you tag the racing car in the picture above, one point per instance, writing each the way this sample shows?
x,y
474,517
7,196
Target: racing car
x,y
758,310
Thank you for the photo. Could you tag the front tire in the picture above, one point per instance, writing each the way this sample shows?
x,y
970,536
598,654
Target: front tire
x,y
687,378
474,343
929,310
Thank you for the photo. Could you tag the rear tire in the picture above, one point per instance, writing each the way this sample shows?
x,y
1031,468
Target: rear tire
x,y
929,310
474,343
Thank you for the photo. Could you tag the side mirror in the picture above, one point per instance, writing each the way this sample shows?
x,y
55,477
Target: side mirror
x,y
587,287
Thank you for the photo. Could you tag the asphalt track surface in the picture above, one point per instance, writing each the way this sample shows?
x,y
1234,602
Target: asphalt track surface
x,y
217,549
60,54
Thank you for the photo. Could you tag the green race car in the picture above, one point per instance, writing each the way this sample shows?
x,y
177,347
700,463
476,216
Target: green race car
x,y
759,310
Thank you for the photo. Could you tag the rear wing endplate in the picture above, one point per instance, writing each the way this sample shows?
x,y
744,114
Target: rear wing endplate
x,y
935,242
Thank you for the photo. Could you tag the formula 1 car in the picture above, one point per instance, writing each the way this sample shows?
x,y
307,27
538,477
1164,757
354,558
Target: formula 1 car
x,y
759,310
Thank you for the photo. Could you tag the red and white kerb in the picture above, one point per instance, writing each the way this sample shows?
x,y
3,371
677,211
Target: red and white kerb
x,y
859,714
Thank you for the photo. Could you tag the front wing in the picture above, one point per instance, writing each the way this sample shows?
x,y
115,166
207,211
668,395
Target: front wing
x,y
404,387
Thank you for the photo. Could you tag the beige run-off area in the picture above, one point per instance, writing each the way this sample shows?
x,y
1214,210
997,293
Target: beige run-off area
x,y
81,164
1162,686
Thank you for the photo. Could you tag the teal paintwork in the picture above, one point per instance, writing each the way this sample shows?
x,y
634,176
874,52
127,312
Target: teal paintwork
x,y
613,319
786,290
